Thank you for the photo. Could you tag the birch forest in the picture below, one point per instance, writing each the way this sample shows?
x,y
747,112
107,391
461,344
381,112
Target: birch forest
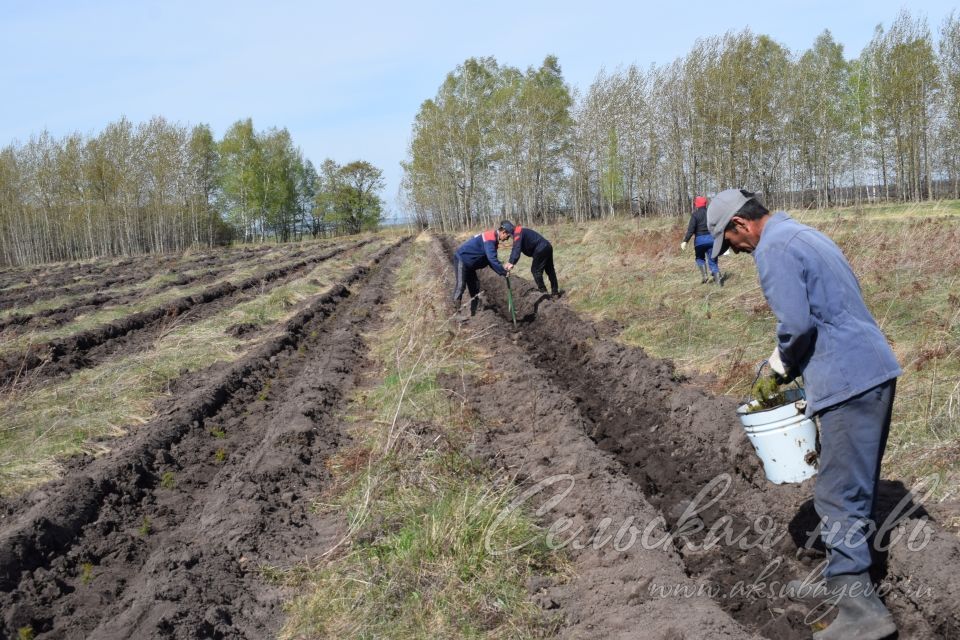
x,y
161,186
811,128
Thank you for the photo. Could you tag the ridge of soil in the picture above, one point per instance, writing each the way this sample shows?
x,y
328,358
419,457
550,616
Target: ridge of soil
x,y
164,537
17,323
63,281
672,439
62,356
534,430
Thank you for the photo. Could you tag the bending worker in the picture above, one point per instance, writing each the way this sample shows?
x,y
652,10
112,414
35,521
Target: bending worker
x,y
532,244
702,243
476,253
826,334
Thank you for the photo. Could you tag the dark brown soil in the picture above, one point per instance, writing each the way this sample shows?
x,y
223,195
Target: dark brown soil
x,y
167,535
103,295
131,333
170,534
49,282
640,441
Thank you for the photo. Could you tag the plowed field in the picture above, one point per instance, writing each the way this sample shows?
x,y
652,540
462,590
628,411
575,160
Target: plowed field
x,y
645,482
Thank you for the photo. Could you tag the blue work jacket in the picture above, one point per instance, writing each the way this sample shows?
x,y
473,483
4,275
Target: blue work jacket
x,y
824,330
480,251
527,241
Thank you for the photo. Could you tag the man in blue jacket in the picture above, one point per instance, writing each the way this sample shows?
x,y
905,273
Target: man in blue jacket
x,y
826,334
534,245
476,253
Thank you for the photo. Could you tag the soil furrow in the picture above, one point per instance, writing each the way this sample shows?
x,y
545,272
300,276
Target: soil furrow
x,y
673,440
534,429
62,277
19,322
52,288
83,349
167,535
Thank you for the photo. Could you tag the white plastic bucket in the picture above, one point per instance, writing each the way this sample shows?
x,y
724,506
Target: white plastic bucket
x,y
785,440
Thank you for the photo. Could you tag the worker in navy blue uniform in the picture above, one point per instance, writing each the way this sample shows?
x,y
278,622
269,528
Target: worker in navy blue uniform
x,y
476,253
534,245
826,334
703,242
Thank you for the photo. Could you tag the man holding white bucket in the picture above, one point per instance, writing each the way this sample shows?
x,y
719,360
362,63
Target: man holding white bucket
x,y
826,334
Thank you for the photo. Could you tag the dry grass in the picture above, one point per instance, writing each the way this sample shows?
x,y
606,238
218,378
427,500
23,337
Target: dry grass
x,y
107,314
633,273
81,414
414,563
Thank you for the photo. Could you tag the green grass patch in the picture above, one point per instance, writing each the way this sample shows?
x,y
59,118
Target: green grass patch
x,y
168,480
416,562
86,573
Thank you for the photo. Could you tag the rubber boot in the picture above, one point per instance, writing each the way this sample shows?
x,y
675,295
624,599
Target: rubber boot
x,y
703,273
862,615
718,278
474,305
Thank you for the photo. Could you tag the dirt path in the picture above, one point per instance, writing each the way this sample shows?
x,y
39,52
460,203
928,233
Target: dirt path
x,y
128,334
655,442
167,535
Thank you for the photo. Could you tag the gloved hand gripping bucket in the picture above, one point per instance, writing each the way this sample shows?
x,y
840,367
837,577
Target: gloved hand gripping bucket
x,y
785,439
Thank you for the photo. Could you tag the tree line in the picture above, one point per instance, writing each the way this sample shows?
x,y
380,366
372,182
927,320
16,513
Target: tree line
x,y
162,186
806,129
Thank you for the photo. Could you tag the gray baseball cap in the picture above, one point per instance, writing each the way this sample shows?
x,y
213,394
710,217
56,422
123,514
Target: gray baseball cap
x,y
722,207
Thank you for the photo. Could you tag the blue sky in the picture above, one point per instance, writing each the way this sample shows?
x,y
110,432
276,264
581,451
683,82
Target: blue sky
x,y
347,78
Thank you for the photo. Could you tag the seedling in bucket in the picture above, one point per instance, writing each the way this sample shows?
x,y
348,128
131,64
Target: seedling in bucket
x,y
784,438
766,394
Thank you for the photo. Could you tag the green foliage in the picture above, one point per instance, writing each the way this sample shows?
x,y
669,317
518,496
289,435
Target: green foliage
x,y
156,186
25,633
146,527
349,196
766,392
168,480
805,128
611,178
493,138
86,572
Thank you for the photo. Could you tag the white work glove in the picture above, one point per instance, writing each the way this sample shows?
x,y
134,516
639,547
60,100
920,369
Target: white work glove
x,y
683,245
727,252
776,363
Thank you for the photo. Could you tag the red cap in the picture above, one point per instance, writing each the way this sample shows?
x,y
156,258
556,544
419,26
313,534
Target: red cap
x,y
699,201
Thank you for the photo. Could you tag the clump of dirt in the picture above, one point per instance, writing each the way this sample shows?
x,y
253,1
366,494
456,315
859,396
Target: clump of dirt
x,y
241,329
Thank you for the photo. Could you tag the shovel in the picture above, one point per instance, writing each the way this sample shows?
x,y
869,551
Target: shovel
x,y
513,309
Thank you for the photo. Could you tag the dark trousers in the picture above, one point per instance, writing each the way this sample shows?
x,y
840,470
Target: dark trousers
x,y
853,436
543,261
466,278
